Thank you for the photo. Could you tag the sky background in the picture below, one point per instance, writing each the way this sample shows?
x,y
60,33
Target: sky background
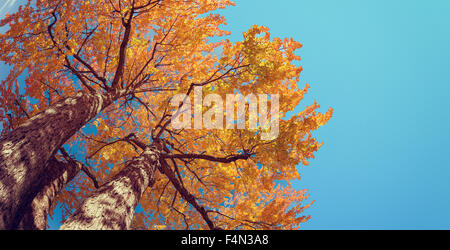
x,y
384,68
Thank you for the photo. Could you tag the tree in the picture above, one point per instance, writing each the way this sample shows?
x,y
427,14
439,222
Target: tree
x,y
60,170
128,60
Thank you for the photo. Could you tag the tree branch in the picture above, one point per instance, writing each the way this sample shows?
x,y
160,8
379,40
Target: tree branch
x,y
227,159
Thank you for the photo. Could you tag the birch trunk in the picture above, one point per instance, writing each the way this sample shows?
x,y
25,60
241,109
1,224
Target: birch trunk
x,y
112,206
25,151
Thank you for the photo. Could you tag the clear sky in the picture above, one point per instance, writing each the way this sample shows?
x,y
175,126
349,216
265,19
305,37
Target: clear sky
x,y
384,68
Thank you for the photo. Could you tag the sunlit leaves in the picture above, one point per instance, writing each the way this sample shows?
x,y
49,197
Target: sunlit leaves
x,y
69,45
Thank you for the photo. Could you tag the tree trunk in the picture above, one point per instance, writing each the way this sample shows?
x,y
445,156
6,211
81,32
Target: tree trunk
x,y
33,216
25,151
112,206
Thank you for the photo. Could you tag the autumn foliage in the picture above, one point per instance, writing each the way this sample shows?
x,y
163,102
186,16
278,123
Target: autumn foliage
x,y
142,53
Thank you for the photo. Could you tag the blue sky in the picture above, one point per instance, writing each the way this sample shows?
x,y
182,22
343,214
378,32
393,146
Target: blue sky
x,y
383,66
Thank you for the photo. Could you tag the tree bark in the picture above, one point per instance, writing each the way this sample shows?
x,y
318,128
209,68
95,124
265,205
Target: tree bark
x,y
112,206
33,216
24,152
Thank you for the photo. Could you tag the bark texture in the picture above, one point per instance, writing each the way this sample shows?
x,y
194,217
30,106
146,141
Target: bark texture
x,y
112,206
33,216
24,152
